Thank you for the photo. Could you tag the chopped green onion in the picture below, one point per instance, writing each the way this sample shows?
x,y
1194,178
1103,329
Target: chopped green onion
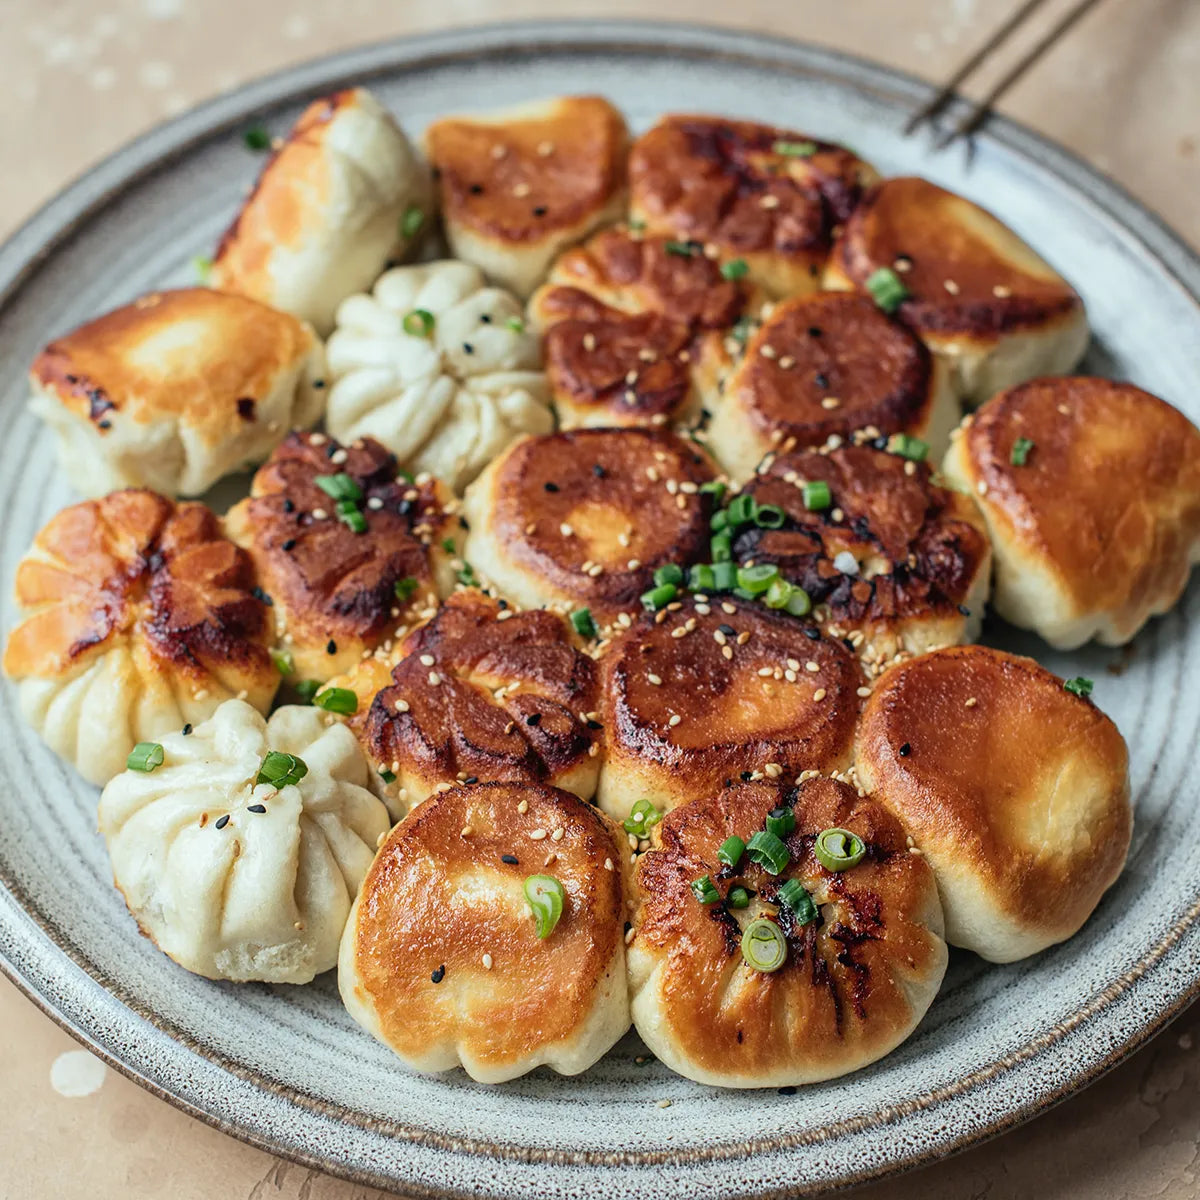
x,y
817,495
768,516
659,597
256,138
742,594
467,576
795,149
778,594
838,849
285,664
719,521
145,756
411,222
307,689
737,897
1079,686
1020,451
780,822
407,476
741,510
346,506
337,700
353,518
731,850
449,546
742,328
643,816
768,851
701,578
669,573
909,447
637,225
584,624
545,895
795,896
515,324
799,603
419,322
757,579
339,487
202,267
763,945
886,289
388,776
704,891
714,488
724,576
280,770
720,547
735,268
680,249
405,587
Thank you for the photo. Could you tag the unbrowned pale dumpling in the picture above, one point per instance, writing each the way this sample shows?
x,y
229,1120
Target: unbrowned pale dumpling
x,y
137,618
342,195
821,367
636,330
480,692
889,559
176,390
441,958
766,197
582,519
862,964
343,584
1015,789
1091,490
977,295
517,185
741,691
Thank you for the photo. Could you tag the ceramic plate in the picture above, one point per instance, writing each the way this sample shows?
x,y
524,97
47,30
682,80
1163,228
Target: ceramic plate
x,y
284,1067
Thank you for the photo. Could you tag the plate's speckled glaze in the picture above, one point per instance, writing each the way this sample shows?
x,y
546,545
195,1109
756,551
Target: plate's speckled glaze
x,y
285,1068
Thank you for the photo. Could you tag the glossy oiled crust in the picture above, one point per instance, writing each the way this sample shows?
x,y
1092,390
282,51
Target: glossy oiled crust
x,y
136,566
635,329
521,183
333,591
856,981
760,704
923,553
551,510
200,359
724,183
439,897
1099,528
1016,790
483,692
824,366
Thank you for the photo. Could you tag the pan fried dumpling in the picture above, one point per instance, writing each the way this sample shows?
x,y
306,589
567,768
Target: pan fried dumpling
x,y
137,616
344,193
241,853
438,367
176,390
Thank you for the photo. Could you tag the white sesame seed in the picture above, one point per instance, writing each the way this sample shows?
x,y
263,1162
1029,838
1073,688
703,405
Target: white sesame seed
x,y
402,706
812,666
375,503
769,201
655,679
767,350
427,660
339,457
982,487
523,807
664,1104
608,864
1001,292
319,514
820,694
727,651
565,529
557,836
521,189
971,702
951,287
629,936
773,770
504,614
830,403
863,692
538,835
674,720
466,831
487,962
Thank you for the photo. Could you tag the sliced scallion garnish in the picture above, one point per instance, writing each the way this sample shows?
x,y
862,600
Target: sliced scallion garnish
x,y
545,895
584,623
339,487
737,897
907,446
780,822
145,756
741,511
735,268
659,597
704,891
838,849
799,602
714,488
669,573
763,945
280,770
643,816
1079,686
419,322
757,579
701,578
516,324
795,897
768,516
817,496
285,664
720,547
731,850
337,700
886,289
388,776
778,594
680,249
405,587
256,138
795,149
411,221
768,851
724,576
1020,451
307,689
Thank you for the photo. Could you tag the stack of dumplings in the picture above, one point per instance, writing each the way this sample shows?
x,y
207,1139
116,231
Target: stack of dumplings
x,y
619,568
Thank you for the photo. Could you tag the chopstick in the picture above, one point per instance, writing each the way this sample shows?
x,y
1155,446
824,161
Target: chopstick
x,y
979,111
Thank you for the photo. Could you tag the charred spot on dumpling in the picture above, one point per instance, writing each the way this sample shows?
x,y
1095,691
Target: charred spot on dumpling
x,y
862,949
349,550
596,541
769,196
821,367
889,558
485,692
709,692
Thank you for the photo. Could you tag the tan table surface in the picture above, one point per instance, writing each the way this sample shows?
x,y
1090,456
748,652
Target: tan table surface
x,y
83,76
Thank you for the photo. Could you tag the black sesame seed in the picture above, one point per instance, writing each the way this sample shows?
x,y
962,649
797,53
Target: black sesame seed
x,y
259,594
439,974
540,211
502,603
404,507
463,523
223,821
727,629
104,424
290,544
746,776
187,729
962,608
318,383
257,808
331,449
594,725
812,633
471,779
550,487
533,719
468,348
476,189
485,318
331,647
511,859
813,331
787,1090
905,750
822,380
599,471
245,408
288,506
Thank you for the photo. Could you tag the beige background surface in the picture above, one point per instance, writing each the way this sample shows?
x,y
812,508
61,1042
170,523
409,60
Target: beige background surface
x,y
83,76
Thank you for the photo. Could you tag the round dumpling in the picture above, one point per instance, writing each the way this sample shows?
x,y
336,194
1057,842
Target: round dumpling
x,y
137,617
438,367
790,964
489,933
240,853
176,390
344,193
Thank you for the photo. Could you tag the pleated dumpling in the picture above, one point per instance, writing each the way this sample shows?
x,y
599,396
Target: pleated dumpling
x,y
437,366
240,853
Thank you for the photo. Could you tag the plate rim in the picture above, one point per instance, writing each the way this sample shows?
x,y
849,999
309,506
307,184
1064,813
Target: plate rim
x,y
158,148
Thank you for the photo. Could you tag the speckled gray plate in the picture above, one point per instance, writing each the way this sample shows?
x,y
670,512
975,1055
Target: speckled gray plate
x,y
285,1068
